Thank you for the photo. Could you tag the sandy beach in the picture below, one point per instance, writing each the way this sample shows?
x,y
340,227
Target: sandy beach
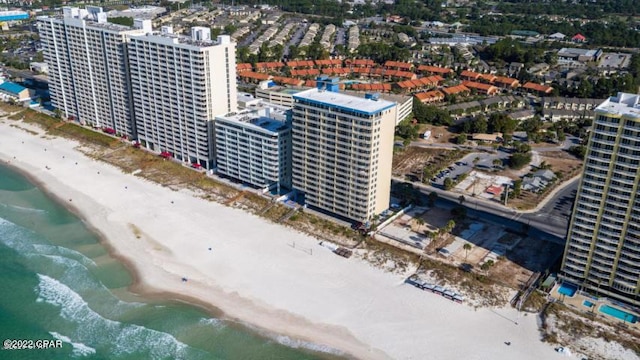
x,y
249,269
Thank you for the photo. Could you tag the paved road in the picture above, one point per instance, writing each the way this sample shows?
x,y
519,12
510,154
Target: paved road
x,y
552,218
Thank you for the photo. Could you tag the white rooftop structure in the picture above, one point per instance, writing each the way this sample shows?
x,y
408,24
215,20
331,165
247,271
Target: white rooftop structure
x,y
624,104
348,102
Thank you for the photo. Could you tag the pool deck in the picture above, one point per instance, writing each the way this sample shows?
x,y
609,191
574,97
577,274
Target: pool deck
x,y
577,300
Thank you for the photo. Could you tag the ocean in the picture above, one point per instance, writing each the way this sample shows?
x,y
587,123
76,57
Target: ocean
x,y
57,282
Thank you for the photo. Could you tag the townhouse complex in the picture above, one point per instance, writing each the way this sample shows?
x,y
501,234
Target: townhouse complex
x,y
176,95
603,244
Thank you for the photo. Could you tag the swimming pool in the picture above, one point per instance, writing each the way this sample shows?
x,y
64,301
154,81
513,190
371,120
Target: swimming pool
x,y
587,303
617,313
567,289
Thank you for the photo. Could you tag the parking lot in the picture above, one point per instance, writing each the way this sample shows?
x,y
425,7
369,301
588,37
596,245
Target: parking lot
x,y
479,161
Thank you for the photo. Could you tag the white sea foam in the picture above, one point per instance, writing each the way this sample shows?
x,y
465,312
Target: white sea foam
x,y
300,344
211,321
295,343
25,209
92,327
79,349
69,253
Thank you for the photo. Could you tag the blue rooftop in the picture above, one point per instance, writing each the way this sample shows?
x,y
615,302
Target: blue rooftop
x,y
12,88
268,123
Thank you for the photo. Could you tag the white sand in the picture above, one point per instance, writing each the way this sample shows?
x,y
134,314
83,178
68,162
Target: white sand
x,y
253,275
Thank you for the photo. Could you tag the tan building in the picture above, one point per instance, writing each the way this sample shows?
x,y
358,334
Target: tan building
x,y
602,254
342,152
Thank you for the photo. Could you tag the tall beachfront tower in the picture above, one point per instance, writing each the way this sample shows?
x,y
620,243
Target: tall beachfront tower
x,y
603,244
179,84
88,75
342,151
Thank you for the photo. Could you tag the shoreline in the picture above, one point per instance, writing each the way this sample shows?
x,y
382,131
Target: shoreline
x,y
252,276
142,288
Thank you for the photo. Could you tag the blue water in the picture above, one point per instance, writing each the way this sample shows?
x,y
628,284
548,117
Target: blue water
x,y
567,289
587,303
617,313
59,283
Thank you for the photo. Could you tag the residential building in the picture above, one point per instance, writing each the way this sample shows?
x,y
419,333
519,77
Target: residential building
x,y
88,67
342,152
254,146
602,253
179,85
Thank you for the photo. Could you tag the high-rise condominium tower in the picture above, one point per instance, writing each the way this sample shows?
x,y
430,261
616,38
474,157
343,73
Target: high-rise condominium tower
x,y
179,84
88,75
603,244
342,151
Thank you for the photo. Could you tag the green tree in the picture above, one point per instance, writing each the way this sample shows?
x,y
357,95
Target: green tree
x,y
448,183
467,247
578,151
519,160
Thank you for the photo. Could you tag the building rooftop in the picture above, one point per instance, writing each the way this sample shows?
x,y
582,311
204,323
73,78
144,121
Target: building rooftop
x,y
264,115
12,88
348,102
577,52
623,104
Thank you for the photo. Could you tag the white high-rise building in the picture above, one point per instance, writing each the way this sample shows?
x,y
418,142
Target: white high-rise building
x,y
88,75
254,146
603,244
342,151
179,85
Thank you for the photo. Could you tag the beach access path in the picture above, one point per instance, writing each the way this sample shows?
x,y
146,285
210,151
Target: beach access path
x,y
254,275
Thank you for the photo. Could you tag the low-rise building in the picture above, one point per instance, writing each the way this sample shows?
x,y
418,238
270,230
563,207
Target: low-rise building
x,y
13,92
579,55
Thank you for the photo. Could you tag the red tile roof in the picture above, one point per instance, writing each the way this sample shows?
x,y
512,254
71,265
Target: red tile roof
x,y
398,64
455,90
537,87
254,75
430,96
506,81
486,88
360,62
470,74
434,69
243,67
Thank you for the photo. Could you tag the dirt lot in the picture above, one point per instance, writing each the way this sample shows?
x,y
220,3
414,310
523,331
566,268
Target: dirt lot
x,y
439,134
524,255
411,161
563,162
560,161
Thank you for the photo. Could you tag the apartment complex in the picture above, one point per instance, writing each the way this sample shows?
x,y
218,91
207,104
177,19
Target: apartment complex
x,y
603,244
88,74
254,146
179,84
342,152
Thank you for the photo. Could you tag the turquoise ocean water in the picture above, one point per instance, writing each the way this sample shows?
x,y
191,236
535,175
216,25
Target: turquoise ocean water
x,y
57,282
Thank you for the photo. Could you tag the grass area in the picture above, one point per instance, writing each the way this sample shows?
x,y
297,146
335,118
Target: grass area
x,y
535,302
84,134
570,324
